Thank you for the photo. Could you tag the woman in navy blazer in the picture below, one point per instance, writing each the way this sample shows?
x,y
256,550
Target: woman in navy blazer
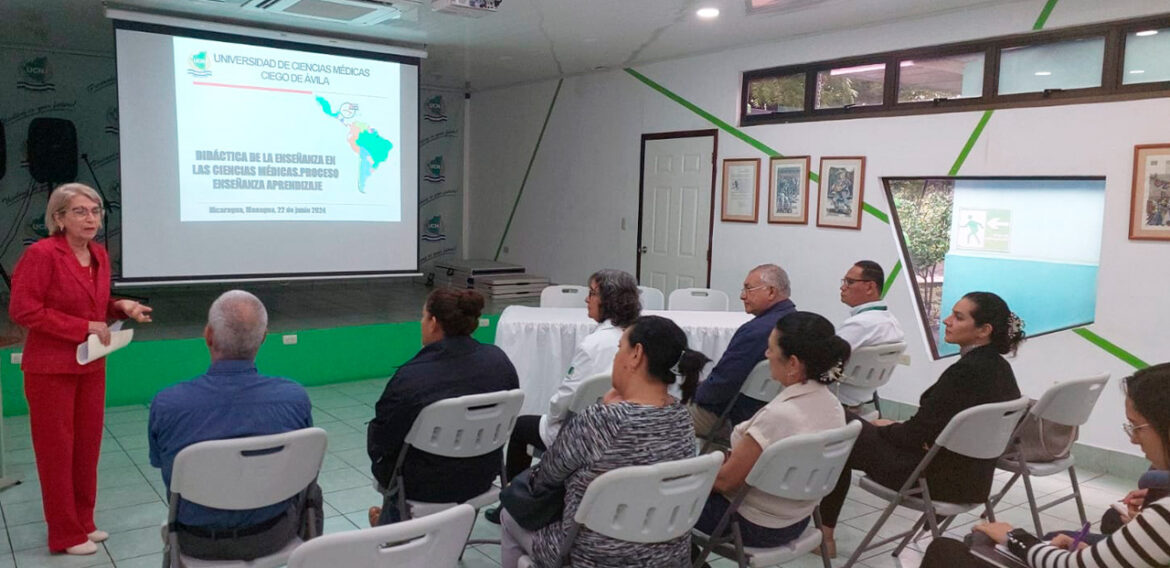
x,y
61,293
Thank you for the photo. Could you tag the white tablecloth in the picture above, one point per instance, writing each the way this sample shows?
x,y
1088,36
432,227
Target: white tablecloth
x,y
541,341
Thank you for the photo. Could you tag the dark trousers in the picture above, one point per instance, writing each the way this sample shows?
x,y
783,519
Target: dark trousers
x,y
951,553
883,462
224,545
753,534
526,433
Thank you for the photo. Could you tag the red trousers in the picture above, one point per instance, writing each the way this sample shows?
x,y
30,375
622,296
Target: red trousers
x,y
65,417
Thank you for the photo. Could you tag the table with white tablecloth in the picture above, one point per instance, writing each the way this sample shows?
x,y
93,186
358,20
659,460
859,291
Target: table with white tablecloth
x,y
541,342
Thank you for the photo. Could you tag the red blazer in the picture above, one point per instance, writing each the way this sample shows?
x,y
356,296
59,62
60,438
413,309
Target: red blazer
x,y
56,298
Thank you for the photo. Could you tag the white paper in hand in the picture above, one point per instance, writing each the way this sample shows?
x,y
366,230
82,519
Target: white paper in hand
x,y
92,349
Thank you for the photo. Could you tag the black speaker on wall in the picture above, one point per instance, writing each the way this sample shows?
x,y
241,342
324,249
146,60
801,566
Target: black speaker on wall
x,y
52,150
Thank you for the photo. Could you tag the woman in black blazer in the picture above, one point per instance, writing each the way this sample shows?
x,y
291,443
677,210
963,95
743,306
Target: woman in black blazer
x,y
984,329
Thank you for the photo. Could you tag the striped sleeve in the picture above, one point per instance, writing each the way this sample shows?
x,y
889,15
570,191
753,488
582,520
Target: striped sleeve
x,y
1143,542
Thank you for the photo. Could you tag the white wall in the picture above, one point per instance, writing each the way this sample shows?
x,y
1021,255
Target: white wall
x,y
585,180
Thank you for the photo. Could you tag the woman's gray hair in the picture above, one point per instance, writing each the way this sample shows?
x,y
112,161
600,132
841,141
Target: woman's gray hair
x,y
774,276
59,200
620,302
238,323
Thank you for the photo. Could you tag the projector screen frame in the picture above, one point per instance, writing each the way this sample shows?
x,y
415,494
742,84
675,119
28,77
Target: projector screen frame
x,y
133,21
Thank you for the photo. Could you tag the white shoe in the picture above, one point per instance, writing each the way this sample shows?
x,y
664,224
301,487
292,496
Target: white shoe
x,y
83,549
98,536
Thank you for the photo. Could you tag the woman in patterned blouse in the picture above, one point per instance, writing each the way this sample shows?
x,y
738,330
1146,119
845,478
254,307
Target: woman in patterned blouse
x,y
638,423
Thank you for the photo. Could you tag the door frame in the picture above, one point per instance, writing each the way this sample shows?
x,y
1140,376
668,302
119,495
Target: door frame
x,y
714,134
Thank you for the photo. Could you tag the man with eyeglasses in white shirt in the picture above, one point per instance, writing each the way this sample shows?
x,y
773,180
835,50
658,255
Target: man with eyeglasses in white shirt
x,y
870,322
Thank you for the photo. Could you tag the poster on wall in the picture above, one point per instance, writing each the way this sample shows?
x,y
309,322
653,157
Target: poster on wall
x,y
841,190
1149,215
441,167
741,190
788,190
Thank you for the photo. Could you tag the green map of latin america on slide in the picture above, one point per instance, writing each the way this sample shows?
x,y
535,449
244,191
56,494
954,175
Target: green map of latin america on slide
x,y
363,139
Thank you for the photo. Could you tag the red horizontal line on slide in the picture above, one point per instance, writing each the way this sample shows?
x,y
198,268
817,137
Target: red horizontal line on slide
x,y
254,88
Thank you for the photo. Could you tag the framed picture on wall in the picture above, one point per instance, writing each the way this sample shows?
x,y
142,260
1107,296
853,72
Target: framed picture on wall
x,y
840,192
1149,207
741,190
788,190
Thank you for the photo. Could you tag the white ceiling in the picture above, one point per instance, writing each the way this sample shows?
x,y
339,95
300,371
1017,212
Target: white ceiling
x,y
527,40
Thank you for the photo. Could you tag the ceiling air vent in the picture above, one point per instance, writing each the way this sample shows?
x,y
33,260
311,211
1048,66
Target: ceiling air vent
x,y
356,12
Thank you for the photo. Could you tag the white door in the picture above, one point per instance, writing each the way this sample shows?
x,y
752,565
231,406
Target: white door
x,y
676,212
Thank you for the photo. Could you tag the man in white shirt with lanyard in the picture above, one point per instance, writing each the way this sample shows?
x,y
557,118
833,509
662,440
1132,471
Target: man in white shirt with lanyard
x,y
870,322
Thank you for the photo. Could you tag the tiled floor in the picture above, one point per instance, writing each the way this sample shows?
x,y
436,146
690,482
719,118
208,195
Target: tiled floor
x,y
131,503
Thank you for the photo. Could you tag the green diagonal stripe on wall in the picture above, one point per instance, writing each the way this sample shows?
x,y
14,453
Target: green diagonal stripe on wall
x,y
1043,19
724,126
1111,348
970,143
891,278
552,104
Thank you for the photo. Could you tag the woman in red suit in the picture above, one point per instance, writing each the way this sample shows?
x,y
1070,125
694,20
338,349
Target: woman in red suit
x,y
61,293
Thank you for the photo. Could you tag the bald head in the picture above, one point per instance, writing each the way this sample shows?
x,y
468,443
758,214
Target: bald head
x,y
236,325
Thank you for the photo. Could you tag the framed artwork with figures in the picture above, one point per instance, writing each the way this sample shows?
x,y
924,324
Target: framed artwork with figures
x,y
841,190
1149,213
788,190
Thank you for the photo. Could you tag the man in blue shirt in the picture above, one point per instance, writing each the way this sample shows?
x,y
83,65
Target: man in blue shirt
x,y
765,295
231,400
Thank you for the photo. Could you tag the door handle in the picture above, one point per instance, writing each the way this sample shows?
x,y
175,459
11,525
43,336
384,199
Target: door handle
x,y
643,250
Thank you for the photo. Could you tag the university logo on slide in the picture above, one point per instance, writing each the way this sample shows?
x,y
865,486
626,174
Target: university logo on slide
x,y
434,109
434,231
197,65
36,230
35,74
435,170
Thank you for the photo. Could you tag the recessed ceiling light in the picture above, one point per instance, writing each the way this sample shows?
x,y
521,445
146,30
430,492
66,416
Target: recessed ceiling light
x,y
1145,33
1137,71
1043,73
707,13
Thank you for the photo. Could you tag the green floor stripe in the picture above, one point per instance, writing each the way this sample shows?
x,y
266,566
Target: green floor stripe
x,y
1043,19
892,277
881,215
528,170
970,143
1111,348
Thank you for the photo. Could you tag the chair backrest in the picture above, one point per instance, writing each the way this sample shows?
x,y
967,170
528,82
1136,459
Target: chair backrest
x,y
563,296
649,503
1071,402
248,473
652,298
590,392
804,467
759,383
466,426
433,541
698,299
983,431
870,367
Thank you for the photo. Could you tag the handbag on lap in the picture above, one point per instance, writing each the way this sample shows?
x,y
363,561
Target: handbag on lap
x,y
532,507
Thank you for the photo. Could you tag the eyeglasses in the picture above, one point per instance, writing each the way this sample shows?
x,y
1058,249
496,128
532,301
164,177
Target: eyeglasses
x,y
83,212
1130,428
847,281
747,289
593,293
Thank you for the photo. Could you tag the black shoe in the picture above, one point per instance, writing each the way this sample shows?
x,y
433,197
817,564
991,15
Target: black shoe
x,y
492,515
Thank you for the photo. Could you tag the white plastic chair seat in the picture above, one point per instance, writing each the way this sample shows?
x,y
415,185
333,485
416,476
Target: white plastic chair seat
x,y
807,542
941,508
431,542
698,299
563,296
274,560
652,298
1038,469
423,508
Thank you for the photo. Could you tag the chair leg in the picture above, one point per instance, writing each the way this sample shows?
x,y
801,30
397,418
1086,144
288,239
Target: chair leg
x,y
740,555
824,544
1032,506
912,535
1072,475
999,496
871,534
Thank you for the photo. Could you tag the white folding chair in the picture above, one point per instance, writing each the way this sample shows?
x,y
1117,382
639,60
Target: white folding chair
x,y
698,300
430,542
244,473
652,298
804,467
643,503
758,385
588,393
980,432
461,427
1069,403
868,369
563,296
